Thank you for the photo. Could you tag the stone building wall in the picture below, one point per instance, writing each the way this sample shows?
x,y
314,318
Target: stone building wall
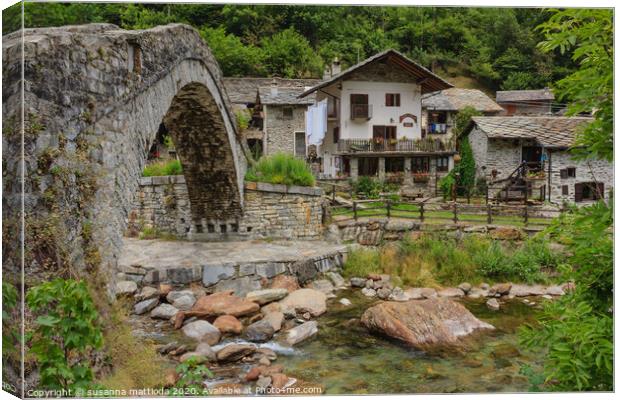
x,y
280,131
270,211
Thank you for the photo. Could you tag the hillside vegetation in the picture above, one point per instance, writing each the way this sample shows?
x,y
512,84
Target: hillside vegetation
x,y
486,48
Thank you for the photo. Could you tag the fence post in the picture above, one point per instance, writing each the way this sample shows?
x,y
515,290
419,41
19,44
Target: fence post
x,y
355,210
421,212
486,196
468,195
387,206
333,193
489,218
455,216
525,209
454,192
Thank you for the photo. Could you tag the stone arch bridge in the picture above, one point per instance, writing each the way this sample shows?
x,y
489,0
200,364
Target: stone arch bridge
x,y
94,98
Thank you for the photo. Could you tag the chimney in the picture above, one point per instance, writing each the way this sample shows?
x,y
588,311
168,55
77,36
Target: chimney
x,y
335,66
274,87
326,73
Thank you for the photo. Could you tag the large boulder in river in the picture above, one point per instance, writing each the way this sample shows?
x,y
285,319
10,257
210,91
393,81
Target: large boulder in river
x,y
202,331
423,324
221,303
305,301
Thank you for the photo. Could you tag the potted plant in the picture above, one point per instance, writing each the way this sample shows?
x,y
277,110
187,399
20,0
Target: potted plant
x,y
421,177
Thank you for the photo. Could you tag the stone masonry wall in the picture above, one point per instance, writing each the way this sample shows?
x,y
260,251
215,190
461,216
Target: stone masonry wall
x,y
280,132
270,211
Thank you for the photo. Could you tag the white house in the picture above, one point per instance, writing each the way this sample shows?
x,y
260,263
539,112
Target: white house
x,y
374,122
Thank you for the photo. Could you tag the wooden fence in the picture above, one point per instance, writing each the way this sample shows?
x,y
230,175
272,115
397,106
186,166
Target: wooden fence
x,y
449,211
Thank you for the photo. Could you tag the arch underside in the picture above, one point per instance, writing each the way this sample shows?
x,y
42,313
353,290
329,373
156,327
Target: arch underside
x,y
199,132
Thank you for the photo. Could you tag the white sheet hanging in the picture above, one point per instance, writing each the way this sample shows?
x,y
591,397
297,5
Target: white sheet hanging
x,y
319,123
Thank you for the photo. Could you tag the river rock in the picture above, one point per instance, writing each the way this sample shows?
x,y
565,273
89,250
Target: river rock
x,y
493,304
345,302
175,294
451,292
147,292
145,306
164,311
228,324
221,303
301,332
184,302
555,291
374,277
235,352
501,288
260,331
477,293
428,293
465,287
414,293
253,374
206,350
270,308
263,383
506,233
275,319
266,352
398,295
265,296
369,284
126,288
357,282
322,285
369,292
202,331
336,279
287,282
423,324
200,358
384,293
526,290
279,381
164,289
485,286
305,300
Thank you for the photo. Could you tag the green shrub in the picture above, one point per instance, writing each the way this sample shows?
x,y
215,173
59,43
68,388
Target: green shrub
x,y
367,187
163,168
281,168
445,185
361,262
66,330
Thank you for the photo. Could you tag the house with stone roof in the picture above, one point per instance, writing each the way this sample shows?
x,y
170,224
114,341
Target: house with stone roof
x,y
526,102
374,123
513,153
440,108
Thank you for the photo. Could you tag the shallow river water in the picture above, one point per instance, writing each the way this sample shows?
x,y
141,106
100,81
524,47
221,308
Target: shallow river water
x,y
345,358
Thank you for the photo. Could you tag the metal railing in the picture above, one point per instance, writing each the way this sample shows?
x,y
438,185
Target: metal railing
x,y
395,145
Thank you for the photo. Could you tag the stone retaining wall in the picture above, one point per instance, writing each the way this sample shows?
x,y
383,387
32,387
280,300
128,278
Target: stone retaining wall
x,y
270,211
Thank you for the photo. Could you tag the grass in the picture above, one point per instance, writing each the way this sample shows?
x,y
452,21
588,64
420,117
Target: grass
x,y
281,168
163,168
153,233
436,260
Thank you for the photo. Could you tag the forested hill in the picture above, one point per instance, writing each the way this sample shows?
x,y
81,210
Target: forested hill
x,y
488,48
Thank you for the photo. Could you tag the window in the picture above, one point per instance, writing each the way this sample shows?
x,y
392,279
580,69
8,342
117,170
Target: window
x,y
287,113
300,144
568,173
442,164
564,190
367,166
419,165
336,134
383,132
359,99
392,99
360,107
589,191
394,164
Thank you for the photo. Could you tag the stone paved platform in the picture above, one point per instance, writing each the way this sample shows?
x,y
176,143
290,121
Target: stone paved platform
x,y
240,266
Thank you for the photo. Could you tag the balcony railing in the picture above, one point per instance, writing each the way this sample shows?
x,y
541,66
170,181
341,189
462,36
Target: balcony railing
x,y
361,111
395,145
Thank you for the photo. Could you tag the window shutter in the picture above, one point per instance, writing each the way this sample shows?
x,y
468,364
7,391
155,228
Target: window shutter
x,y
578,192
563,173
397,99
564,190
388,100
600,190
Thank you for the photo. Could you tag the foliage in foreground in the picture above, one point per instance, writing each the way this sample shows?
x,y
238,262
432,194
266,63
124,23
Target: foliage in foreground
x,y
437,260
192,374
281,168
577,330
66,331
163,168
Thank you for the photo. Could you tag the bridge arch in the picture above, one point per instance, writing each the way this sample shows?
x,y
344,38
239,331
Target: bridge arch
x,y
94,98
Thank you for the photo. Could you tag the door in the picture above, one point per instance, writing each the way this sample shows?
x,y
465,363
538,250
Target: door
x,y
300,144
532,155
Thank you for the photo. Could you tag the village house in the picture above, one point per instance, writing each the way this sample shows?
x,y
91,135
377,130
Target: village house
x,y
512,153
439,109
367,122
244,96
526,102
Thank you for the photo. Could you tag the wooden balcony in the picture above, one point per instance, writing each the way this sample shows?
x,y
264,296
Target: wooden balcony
x,y
429,146
361,111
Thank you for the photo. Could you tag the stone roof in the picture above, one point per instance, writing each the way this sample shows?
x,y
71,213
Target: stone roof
x,y
455,99
524,95
429,81
244,90
558,132
283,96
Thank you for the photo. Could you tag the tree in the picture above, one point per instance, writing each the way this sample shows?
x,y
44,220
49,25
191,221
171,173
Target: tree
x,y
234,58
289,54
577,331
